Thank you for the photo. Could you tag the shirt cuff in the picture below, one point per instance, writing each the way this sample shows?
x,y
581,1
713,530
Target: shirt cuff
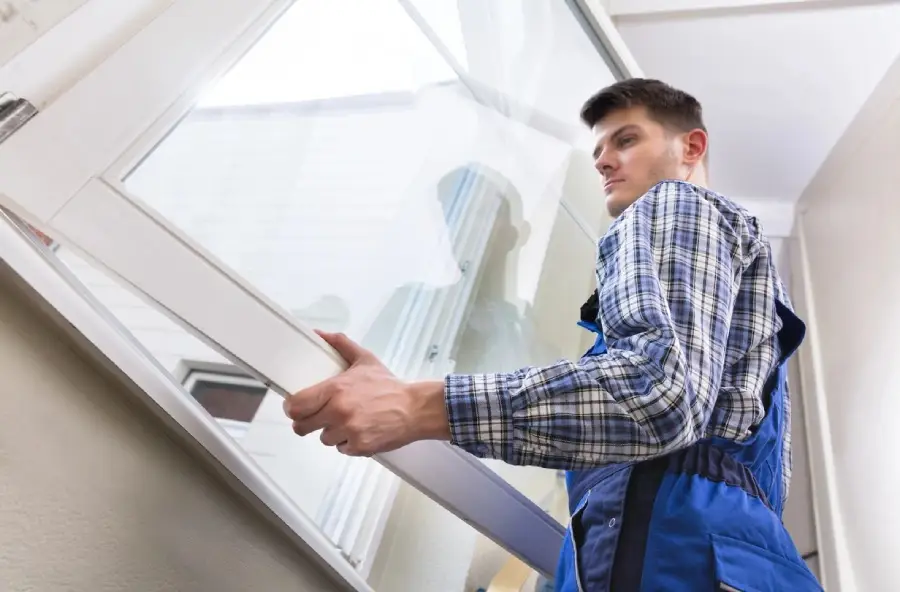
x,y
481,415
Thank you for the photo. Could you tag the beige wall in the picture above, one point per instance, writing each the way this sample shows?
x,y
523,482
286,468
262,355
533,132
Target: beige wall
x,y
97,494
849,218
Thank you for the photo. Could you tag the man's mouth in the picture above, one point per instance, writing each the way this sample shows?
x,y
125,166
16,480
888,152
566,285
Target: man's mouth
x,y
610,183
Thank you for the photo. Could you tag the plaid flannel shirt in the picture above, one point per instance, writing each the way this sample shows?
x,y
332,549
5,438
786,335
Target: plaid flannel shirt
x,y
687,289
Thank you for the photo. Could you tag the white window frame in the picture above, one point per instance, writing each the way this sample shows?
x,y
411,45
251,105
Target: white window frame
x,y
109,83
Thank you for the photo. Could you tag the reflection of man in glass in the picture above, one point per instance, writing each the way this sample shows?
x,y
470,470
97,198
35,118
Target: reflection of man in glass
x,y
493,336
487,332
674,425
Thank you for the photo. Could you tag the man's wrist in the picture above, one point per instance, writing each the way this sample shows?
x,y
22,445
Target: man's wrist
x,y
430,410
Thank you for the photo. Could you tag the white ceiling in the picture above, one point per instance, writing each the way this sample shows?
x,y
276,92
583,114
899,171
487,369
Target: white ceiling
x,y
780,80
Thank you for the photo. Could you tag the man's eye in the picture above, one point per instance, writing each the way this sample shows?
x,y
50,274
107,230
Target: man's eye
x,y
626,141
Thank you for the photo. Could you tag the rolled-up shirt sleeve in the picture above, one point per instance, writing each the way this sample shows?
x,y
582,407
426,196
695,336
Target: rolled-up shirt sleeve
x,y
668,270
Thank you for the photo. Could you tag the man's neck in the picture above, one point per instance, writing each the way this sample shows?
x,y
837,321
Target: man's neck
x,y
698,177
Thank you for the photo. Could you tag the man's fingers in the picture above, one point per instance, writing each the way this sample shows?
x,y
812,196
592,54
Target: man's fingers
x,y
303,428
308,402
308,425
351,351
328,419
350,449
333,437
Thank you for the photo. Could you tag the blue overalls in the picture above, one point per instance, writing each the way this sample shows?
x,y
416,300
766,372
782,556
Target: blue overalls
x,y
704,518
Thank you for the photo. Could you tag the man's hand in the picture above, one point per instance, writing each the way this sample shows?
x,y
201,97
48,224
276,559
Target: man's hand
x,y
366,409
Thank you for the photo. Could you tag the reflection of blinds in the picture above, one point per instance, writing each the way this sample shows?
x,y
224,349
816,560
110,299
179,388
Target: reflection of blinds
x,y
420,345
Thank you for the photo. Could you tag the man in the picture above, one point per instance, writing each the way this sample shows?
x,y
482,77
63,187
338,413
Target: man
x,y
675,426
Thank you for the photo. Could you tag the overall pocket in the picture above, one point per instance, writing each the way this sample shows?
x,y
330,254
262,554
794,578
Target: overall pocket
x,y
596,528
743,567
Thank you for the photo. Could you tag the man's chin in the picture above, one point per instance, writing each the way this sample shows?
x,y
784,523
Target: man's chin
x,y
617,203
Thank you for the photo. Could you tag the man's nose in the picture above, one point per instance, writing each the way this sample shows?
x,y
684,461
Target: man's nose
x,y
604,165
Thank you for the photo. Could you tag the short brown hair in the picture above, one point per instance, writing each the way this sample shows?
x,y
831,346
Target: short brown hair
x,y
667,105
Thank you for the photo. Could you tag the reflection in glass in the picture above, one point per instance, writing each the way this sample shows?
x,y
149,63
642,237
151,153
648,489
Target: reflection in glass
x,y
232,398
344,170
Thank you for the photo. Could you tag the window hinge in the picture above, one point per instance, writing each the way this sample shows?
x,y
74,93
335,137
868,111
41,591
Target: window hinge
x,y
14,113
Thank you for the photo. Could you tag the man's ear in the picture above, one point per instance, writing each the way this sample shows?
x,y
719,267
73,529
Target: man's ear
x,y
696,143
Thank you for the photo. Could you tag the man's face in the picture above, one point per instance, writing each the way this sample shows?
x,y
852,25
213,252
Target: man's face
x,y
632,154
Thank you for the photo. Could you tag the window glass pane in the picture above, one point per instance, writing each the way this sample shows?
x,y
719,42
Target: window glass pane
x,y
536,53
326,50
343,169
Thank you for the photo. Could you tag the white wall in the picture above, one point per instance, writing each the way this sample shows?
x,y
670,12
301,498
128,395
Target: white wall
x,y
848,220
797,78
98,494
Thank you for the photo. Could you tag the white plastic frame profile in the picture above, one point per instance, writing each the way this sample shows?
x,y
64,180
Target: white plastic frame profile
x,y
607,36
56,173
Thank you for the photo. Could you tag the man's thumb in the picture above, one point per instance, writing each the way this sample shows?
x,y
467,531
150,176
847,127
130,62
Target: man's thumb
x,y
351,351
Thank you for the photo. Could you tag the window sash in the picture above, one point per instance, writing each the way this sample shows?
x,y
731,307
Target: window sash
x,y
61,173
